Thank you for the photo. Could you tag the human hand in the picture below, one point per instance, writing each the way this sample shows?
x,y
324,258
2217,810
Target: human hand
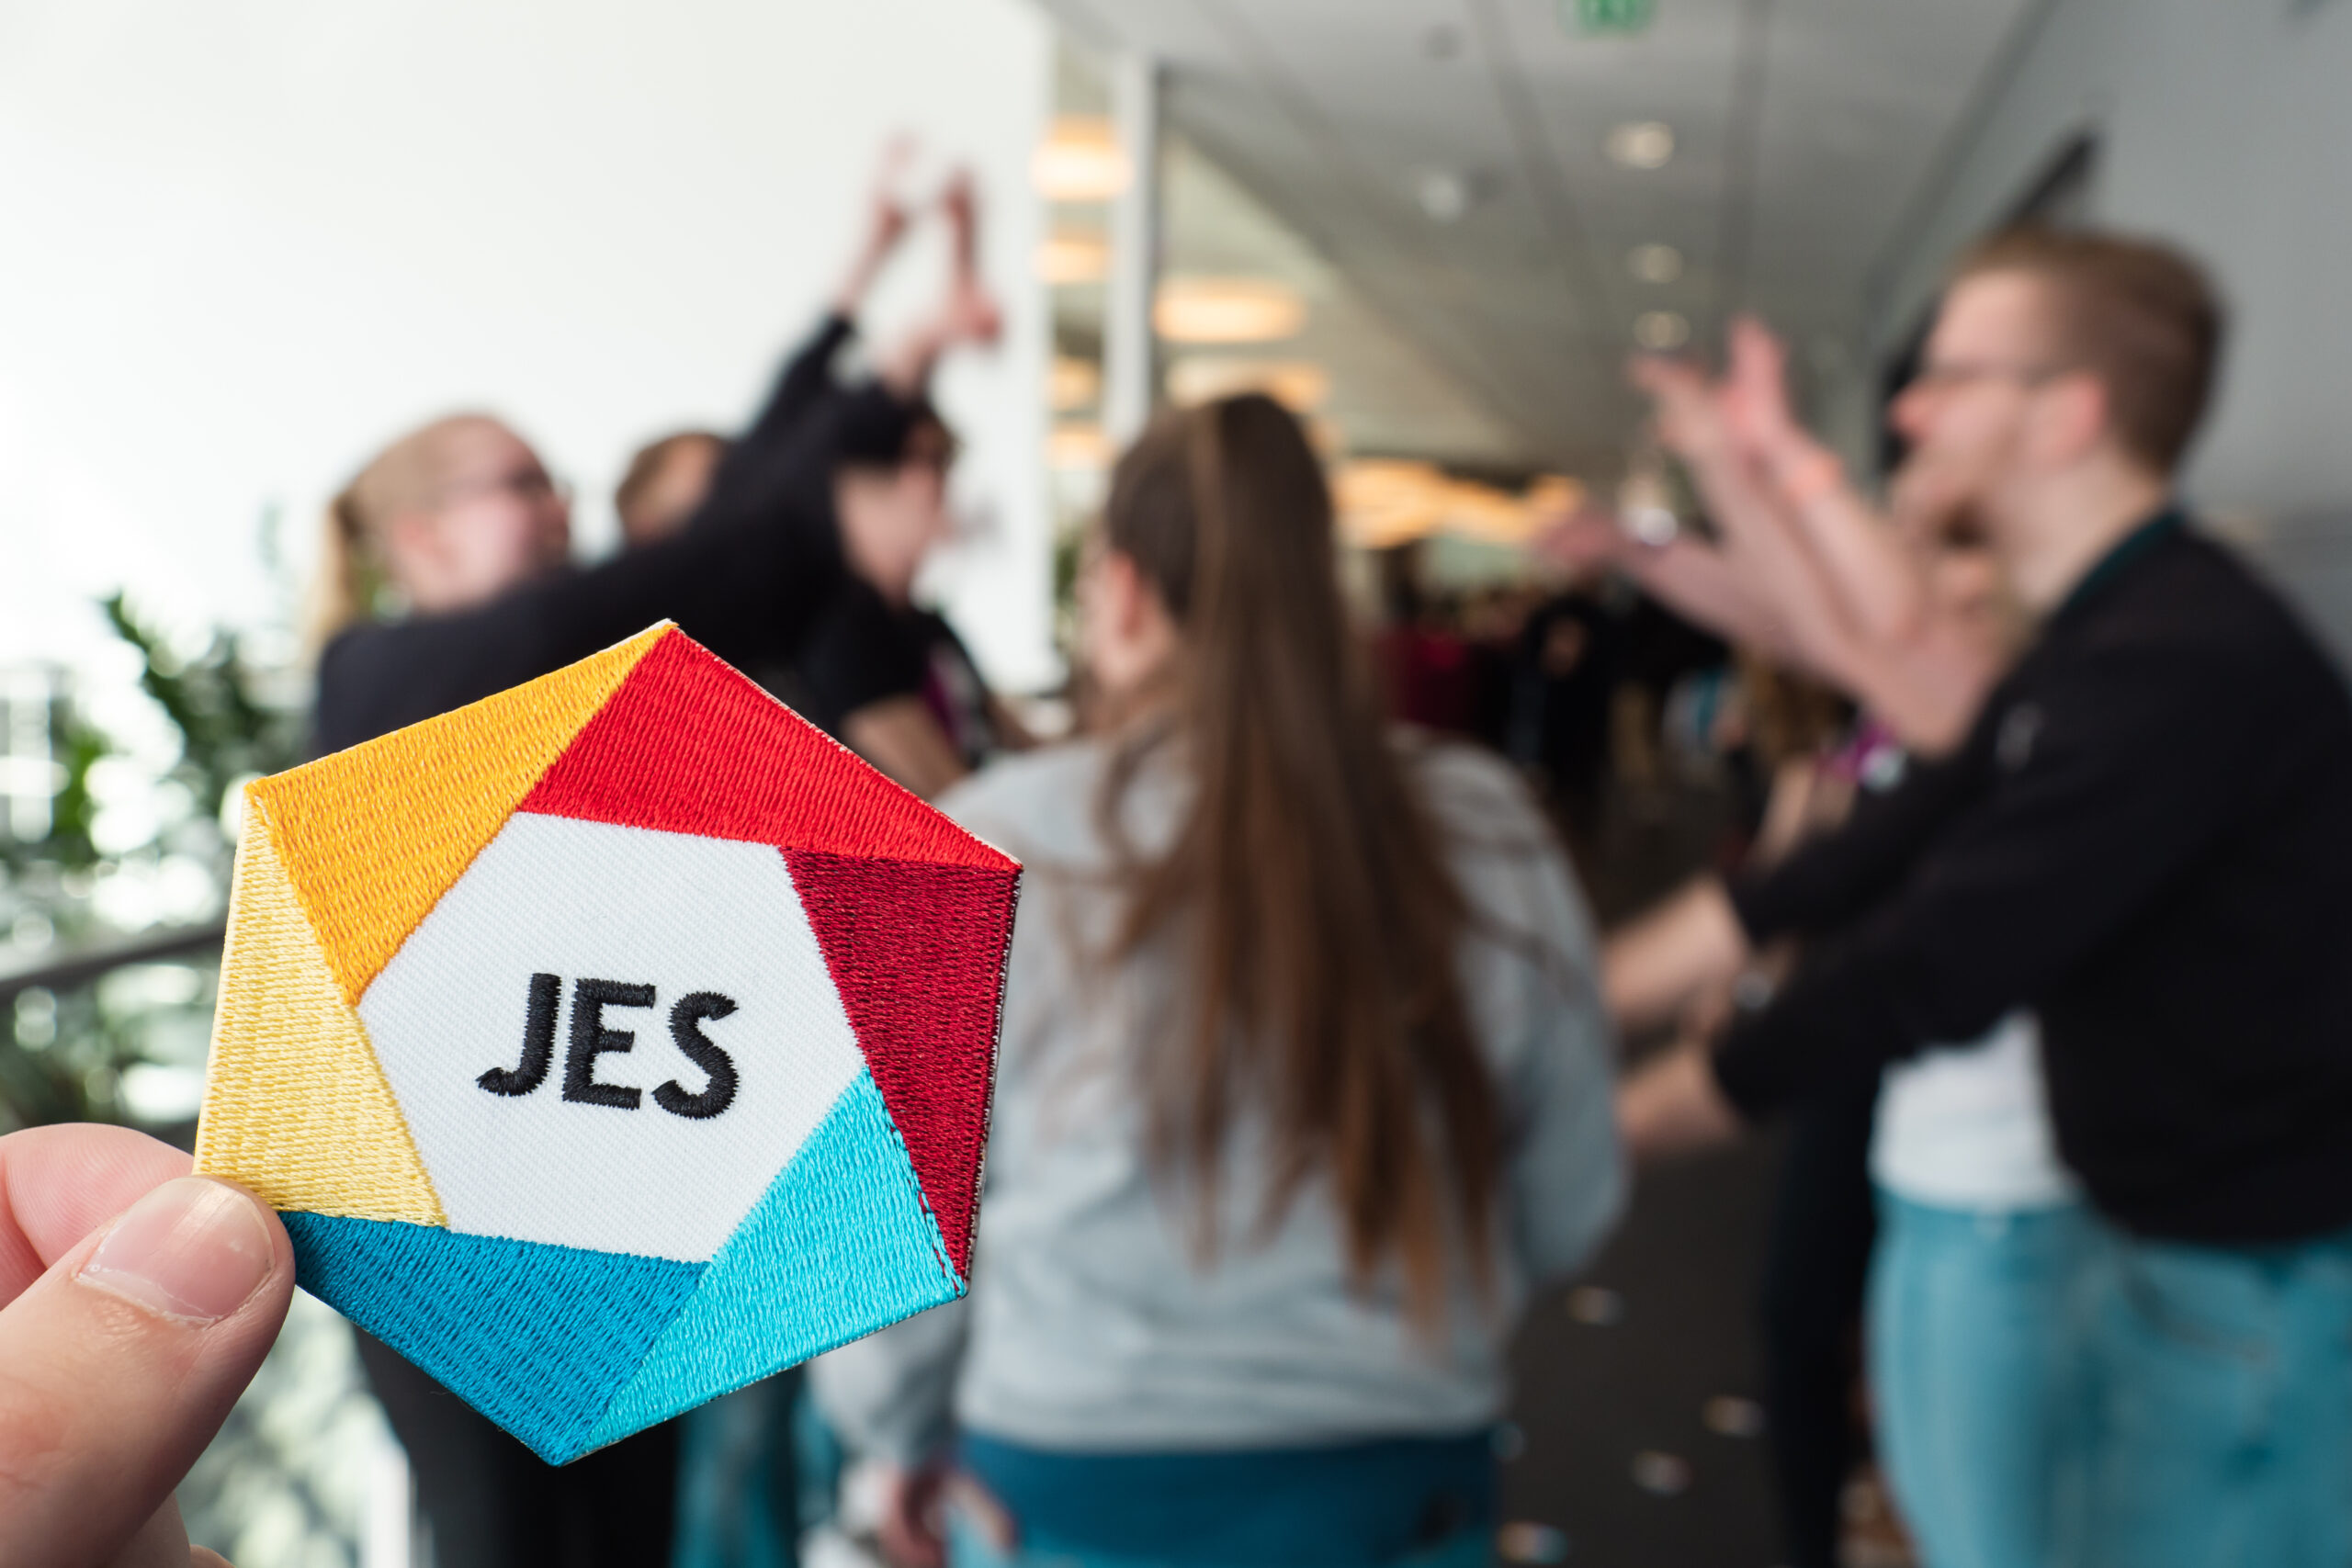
x,y
887,216
1688,410
1671,1105
136,1302
909,1530
971,315
1581,539
1685,944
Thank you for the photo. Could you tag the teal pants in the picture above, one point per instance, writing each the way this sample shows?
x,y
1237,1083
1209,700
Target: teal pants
x,y
1970,1365
2217,1406
968,1548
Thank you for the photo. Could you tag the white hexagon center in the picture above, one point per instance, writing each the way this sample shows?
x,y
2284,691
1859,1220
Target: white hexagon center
x,y
608,1122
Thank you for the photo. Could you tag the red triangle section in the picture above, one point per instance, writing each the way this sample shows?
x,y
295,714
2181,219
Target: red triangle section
x,y
917,953
687,744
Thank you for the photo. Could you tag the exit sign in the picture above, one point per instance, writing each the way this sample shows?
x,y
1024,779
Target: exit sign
x,y
1607,15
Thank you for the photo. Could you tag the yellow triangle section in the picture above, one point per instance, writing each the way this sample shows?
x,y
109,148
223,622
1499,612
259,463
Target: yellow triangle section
x,y
296,1105
373,836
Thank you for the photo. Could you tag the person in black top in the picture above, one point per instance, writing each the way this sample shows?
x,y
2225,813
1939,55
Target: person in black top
x,y
890,679
460,524
665,481
2145,834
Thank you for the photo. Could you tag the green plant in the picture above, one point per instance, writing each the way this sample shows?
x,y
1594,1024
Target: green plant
x,y
77,1053
227,733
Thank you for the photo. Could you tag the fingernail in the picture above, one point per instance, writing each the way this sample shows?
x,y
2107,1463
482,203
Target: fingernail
x,y
192,1250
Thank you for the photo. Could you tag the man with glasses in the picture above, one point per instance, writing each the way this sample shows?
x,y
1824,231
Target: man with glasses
x,y
2146,838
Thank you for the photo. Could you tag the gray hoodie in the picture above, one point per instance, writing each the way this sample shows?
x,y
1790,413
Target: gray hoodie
x,y
1094,1323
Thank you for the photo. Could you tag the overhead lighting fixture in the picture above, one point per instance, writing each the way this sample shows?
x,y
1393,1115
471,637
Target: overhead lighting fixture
x,y
1387,502
1072,384
1073,258
1079,161
1297,384
1640,144
1661,332
1446,196
1080,449
1226,309
1654,264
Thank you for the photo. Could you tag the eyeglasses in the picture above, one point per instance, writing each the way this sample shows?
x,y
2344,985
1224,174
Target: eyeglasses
x,y
1961,372
524,484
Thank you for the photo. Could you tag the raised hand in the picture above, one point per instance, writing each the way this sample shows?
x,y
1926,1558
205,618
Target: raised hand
x,y
887,219
970,314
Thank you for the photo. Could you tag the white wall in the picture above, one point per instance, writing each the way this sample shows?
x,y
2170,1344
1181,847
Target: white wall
x,y
242,243
2226,126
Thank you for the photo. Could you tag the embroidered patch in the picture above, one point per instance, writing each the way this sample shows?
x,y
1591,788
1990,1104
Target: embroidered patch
x,y
612,1043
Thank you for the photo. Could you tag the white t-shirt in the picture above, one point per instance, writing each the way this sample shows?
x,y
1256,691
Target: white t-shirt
x,y
1968,1126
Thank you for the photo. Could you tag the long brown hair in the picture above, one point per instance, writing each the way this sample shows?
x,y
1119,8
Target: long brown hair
x,y
1308,886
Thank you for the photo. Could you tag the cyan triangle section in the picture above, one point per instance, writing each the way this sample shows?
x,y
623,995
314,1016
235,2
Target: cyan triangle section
x,y
840,1246
536,1338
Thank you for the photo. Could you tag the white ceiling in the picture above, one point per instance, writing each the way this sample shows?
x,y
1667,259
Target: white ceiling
x,y
1804,128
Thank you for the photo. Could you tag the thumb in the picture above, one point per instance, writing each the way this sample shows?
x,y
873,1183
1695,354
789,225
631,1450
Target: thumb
x,y
121,1362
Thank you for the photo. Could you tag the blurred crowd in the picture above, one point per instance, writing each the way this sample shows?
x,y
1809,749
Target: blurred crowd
x,y
2027,915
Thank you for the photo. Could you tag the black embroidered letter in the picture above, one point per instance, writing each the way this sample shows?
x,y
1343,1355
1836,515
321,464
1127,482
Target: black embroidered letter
x,y
591,1039
720,1092
538,1041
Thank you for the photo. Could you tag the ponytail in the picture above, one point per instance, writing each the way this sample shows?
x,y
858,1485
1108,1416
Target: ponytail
x,y
1309,886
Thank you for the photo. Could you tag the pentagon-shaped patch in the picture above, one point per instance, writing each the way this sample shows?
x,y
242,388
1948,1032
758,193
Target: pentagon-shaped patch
x,y
611,1043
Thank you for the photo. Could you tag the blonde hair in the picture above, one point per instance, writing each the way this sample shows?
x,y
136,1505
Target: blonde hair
x,y
404,476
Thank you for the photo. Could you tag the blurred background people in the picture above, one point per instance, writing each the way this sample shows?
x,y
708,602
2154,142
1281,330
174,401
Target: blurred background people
x,y
1860,734
2120,808
887,676
880,672
1301,1089
665,481
459,527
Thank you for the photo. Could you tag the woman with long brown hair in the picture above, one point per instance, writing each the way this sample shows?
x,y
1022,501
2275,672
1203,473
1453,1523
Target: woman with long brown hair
x,y
1304,1083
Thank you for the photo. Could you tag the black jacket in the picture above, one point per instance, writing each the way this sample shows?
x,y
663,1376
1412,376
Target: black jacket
x,y
2146,838
745,577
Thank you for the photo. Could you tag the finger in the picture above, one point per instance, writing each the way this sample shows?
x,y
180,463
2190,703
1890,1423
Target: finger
x,y
161,1542
119,1362
58,1184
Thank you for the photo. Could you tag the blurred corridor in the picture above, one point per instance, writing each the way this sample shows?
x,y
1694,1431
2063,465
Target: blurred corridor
x,y
322,326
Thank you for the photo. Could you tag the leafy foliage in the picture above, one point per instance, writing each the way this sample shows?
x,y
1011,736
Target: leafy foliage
x,y
67,1054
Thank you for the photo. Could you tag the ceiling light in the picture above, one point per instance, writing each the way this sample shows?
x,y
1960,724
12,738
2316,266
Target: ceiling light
x,y
1071,258
1446,196
1072,384
1384,502
1226,309
1081,447
1654,264
1079,161
1200,379
1640,144
1661,332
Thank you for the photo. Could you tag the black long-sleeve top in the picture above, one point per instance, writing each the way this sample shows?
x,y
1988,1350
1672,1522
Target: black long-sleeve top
x,y
745,577
2147,837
